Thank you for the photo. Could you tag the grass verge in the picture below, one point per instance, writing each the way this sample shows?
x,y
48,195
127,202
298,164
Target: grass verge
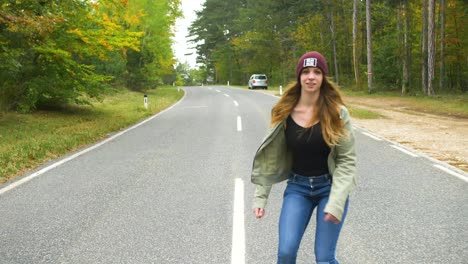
x,y
363,113
29,140
445,104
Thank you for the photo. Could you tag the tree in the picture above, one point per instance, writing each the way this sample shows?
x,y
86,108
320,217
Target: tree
x,y
424,38
406,60
369,46
431,47
456,47
154,59
355,48
54,45
442,45
213,32
233,40
60,52
333,41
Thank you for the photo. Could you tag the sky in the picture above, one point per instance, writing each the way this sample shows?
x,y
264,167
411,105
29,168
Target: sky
x,y
181,46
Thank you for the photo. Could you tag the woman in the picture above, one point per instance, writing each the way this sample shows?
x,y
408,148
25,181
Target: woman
x,y
311,144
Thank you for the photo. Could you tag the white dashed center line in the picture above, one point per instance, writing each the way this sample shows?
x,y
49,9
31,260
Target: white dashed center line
x,y
238,228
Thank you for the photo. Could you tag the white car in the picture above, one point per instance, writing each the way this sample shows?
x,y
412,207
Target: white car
x,y
258,81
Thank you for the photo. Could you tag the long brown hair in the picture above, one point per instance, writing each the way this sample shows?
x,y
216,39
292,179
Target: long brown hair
x,y
328,104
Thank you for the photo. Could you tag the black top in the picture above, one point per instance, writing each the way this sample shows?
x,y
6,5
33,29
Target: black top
x,y
309,150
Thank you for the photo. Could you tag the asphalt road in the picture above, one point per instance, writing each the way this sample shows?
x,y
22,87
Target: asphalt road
x,y
176,189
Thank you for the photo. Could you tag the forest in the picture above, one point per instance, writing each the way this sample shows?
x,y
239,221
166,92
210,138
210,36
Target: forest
x,y
71,51
416,47
55,52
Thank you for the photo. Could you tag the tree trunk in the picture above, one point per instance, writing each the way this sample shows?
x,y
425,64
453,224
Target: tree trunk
x,y
332,29
355,59
400,40
442,45
431,47
369,46
406,48
424,48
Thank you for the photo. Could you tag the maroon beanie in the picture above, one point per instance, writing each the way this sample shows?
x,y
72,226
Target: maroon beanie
x,y
311,59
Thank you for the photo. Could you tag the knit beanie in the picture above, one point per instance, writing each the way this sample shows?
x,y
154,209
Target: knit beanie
x,y
311,59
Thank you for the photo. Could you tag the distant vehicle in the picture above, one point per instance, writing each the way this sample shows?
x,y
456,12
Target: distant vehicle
x,y
258,81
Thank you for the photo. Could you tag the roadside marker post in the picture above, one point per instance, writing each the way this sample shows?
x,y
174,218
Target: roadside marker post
x,y
281,90
145,101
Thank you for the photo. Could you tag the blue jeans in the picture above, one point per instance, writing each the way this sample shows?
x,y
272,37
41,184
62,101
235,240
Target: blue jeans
x,y
300,198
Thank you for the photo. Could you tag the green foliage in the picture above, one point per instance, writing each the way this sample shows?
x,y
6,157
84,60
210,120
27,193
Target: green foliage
x,y
247,36
187,76
212,31
154,59
61,52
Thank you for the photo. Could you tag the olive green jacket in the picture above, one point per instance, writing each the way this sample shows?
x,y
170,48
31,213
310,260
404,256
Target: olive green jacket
x,y
273,161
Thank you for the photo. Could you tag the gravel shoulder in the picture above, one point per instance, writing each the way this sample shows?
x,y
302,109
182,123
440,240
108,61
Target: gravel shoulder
x,y
438,136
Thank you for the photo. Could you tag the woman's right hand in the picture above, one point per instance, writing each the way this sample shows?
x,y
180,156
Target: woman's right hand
x,y
259,212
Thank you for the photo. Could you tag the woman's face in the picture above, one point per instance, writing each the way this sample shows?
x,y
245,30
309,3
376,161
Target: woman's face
x,y
311,79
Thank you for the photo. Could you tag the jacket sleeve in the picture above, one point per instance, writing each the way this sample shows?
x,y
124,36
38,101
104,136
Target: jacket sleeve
x,y
261,195
344,175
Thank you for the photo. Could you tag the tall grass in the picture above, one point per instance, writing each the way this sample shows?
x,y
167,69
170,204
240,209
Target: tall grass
x,y
29,140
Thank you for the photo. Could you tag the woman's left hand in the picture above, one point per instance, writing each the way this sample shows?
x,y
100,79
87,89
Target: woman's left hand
x,y
330,217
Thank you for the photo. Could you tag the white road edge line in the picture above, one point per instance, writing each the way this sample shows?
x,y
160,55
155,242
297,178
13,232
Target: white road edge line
x,y
238,228
451,172
371,136
404,151
239,123
227,95
236,103
56,164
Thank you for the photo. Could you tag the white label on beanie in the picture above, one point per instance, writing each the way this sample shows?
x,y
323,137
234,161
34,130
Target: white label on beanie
x,y
310,62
